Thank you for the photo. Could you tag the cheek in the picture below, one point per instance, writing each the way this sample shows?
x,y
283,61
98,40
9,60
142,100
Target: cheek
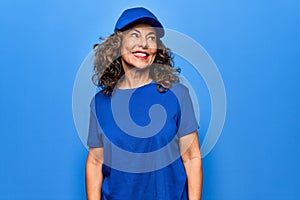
x,y
123,49
127,45
126,57
153,52
153,46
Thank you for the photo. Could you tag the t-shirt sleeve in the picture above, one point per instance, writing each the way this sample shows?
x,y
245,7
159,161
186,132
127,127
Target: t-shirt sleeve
x,y
94,133
187,120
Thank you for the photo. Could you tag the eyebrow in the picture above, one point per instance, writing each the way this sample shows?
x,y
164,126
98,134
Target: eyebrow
x,y
147,34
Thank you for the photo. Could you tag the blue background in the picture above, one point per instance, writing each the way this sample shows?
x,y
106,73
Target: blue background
x,y
255,45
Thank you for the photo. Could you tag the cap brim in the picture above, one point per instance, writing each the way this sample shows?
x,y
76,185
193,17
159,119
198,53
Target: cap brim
x,y
145,20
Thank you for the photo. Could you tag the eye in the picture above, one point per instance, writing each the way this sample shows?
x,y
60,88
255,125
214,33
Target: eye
x,y
152,38
134,35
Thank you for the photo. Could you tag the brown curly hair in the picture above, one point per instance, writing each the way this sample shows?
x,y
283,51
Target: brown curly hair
x,y
108,69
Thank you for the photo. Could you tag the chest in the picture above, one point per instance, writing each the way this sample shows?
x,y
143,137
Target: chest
x,y
139,122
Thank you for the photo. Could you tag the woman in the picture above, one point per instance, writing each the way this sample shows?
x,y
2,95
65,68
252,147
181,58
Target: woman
x,y
135,71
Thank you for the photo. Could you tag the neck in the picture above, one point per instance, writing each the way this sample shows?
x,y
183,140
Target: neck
x,y
135,78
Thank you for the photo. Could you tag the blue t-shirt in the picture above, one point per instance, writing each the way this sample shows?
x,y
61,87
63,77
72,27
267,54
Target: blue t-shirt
x,y
139,130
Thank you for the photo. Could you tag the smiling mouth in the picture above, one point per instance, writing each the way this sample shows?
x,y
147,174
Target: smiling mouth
x,y
141,55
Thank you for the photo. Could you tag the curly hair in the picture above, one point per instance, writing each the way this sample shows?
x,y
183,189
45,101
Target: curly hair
x,y
108,68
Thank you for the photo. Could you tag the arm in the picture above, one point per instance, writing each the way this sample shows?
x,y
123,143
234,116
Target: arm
x,y
191,157
93,176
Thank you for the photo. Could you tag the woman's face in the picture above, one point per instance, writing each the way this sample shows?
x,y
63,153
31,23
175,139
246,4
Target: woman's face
x,y
138,48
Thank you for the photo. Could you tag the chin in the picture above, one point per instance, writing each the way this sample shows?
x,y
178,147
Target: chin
x,y
140,64
145,66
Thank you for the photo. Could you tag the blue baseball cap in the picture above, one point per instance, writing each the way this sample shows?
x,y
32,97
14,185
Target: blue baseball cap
x,y
138,15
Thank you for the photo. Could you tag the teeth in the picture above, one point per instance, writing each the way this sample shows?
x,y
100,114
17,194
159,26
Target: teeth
x,y
140,54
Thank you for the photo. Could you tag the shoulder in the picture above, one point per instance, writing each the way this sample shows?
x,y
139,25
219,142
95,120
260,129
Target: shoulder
x,y
179,89
98,97
179,86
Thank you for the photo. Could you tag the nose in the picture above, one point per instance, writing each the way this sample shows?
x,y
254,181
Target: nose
x,y
144,43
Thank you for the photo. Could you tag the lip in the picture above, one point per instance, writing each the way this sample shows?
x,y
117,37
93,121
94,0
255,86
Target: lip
x,y
141,54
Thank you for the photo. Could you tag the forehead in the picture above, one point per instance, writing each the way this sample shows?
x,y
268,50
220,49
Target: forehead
x,y
146,28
